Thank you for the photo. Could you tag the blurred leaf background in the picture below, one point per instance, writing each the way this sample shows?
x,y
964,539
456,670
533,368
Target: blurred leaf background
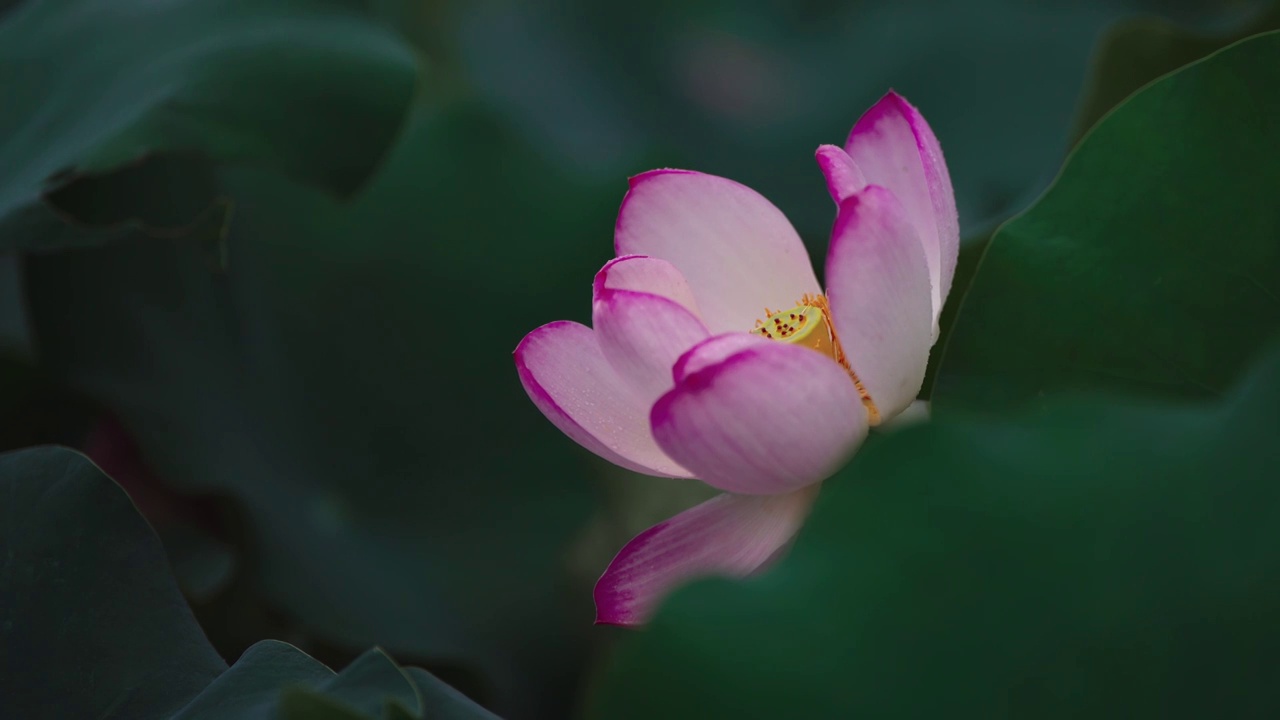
x,y
268,261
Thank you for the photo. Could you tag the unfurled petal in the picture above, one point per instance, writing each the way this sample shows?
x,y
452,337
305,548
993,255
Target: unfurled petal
x,y
770,418
878,289
733,535
569,379
738,252
843,176
648,275
642,335
894,147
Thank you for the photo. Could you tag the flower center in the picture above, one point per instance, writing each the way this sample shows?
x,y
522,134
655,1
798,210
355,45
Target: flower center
x,y
809,324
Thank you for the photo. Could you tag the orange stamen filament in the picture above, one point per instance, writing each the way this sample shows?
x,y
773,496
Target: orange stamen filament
x,y
809,324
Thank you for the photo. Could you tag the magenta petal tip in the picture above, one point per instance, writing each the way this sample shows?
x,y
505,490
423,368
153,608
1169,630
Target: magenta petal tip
x,y
842,174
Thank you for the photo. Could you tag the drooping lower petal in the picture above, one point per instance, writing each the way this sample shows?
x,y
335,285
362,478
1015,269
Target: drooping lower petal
x,y
738,252
770,418
642,335
733,535
895,148
568,378
878,290
843,176
648,275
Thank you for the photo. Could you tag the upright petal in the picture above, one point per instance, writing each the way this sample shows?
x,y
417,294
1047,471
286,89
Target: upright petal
x,y
570,381
738,251
642,335
895,148
770,418
878,289
733,535
843,176
646,274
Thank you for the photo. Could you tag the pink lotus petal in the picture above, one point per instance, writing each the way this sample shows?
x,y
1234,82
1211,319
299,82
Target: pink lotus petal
x,y
648,275
894,147
878,289
768,419
843,176
738,252
733,535
569,379
642,336
712,351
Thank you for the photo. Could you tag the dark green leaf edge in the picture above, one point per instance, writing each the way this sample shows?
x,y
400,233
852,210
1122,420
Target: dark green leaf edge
x,y
982,245
1178,47
271,678
1236,420
32,216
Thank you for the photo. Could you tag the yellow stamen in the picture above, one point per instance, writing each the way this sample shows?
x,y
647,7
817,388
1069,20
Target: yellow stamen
x,y
809,324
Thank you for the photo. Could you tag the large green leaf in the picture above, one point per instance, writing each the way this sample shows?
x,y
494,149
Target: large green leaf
x,y
400,488
313,88
92,624
1095,559
90,619
1132,53
1151,265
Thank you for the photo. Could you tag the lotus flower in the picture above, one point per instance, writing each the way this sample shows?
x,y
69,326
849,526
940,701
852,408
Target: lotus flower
x,y
714,354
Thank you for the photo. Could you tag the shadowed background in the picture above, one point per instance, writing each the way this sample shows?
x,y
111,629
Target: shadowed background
x,y
301,369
